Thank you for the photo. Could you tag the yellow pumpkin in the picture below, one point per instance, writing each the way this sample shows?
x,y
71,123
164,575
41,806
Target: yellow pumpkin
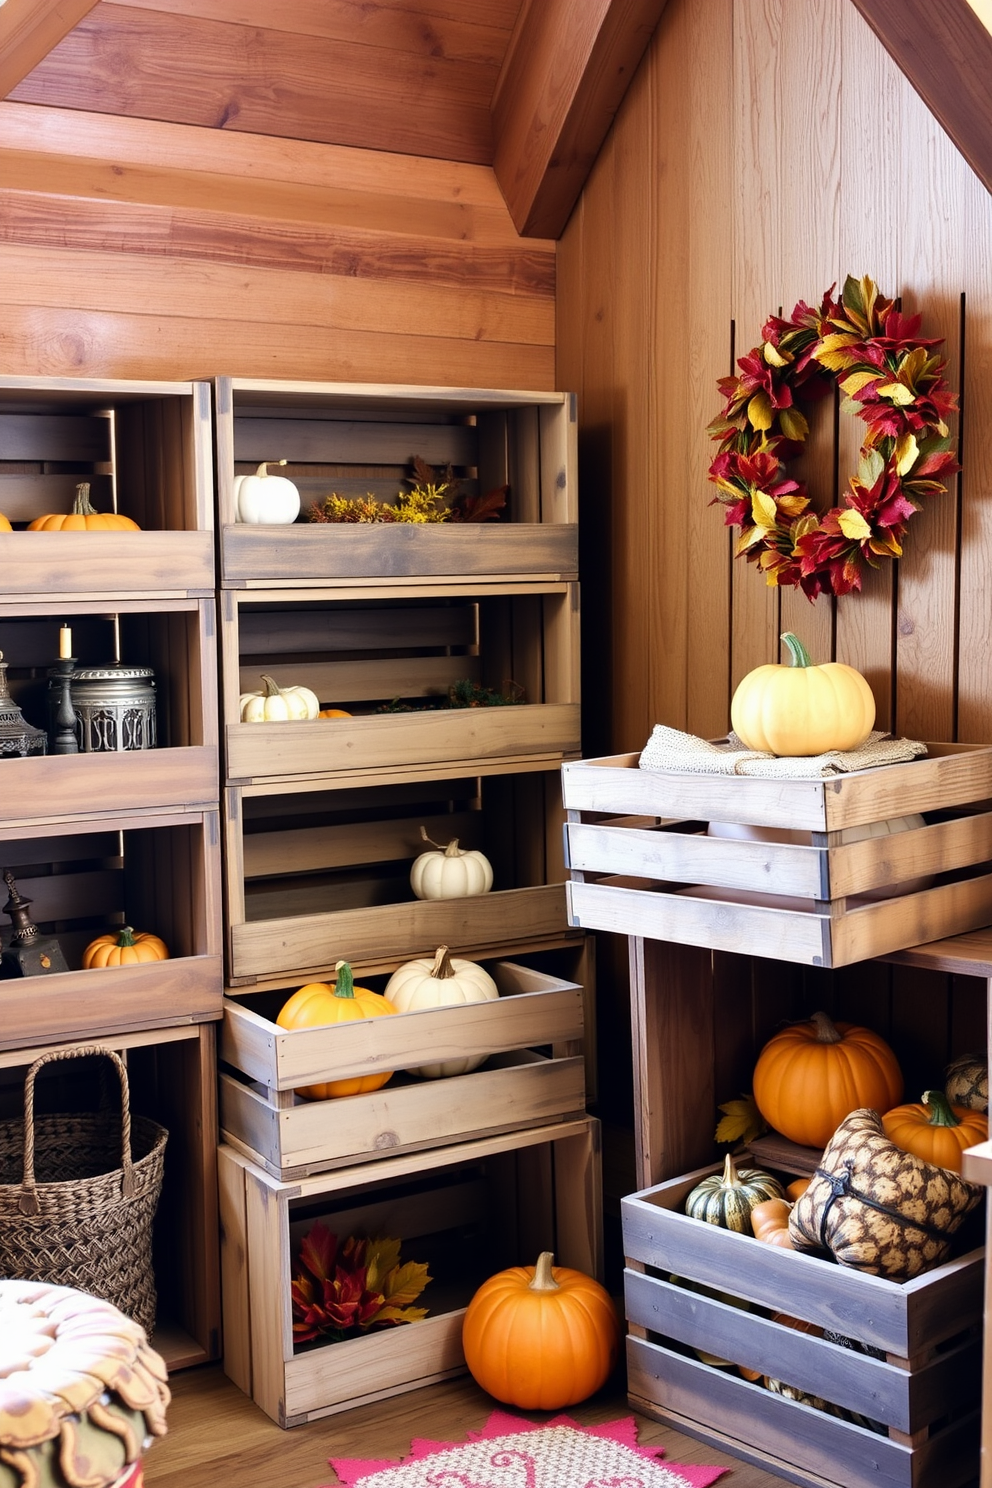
x,y
802,709
123,948
83,517
316,1005
4,524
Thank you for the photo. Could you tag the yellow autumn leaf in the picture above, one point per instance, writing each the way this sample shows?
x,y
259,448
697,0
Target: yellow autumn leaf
x,y
381,1257
853,526
773,356
763,510
741,1121
886,547
793,424
834,351
906,453
405,1283
759,411
392,1314
855,381
748,538
897,393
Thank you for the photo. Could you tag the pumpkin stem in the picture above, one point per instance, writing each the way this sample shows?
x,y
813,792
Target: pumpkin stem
x,y
826,1033
345,984
442,968
798,655
451,851
730,1178
543,1279
126,937
940,1109
271,686
263,468
81,505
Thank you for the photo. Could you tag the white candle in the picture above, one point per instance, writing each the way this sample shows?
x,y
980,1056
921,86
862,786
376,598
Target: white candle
x,y
65,642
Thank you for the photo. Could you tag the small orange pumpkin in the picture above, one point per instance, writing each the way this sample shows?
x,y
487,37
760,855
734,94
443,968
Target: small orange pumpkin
x,y
316,1005
5,524
797,1188
811,1075
83,516
124,947
541,1337
334,713
934,1130
770,1223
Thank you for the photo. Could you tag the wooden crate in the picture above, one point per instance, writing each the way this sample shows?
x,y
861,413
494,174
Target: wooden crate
x,y
356,438
517,1086
924,1391
467,1210
172,1078
642,864
157,871
314,877
364,655
145,448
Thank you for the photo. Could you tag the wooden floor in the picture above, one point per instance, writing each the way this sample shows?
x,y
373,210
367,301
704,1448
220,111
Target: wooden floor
x,y
217,1436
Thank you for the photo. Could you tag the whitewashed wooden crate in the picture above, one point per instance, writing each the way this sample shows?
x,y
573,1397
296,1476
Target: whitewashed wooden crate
x,y
642,863
290,1137
925,1391
510,1196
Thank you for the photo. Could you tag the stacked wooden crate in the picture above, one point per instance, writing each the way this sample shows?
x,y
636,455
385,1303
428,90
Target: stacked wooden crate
x,y
322,823
99,840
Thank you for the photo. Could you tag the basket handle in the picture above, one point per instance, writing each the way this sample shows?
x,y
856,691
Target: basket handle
x,y
28,1202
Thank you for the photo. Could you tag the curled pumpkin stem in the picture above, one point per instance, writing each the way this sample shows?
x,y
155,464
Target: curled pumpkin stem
x,y
543,1279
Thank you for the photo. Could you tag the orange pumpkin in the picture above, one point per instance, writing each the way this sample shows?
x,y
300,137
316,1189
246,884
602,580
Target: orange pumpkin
x,y
811,1075
797,1188
83,517
541,1337
4,524
318,1004
123,948
333,713
770,1223
934,1130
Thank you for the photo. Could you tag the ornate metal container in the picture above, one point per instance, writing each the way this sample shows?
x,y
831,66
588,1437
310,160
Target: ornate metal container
x,y
17,737
114,707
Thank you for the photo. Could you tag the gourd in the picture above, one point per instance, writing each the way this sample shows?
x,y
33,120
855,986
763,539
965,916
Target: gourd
x,y
541,1337
276,704
935,1130
811,1075
770,1223
727,1198
966,1082
83,516
316,1005
333,713
802,709
124,947
450,872
5,524
266,500
444,982
796,1188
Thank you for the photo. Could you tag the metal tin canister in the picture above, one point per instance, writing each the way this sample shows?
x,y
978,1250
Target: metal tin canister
x,y
114,707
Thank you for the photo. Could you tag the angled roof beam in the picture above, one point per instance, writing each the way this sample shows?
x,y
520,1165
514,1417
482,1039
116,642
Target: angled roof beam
x,y
565,73
945,51
29,30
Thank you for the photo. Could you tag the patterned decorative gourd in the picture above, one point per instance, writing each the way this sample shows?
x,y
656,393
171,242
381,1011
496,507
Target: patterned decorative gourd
x,y
727,1198
966,1082
878,1209
935,1130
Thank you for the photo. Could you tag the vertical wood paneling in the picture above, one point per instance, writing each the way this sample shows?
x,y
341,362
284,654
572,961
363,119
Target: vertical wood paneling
x,y
974,658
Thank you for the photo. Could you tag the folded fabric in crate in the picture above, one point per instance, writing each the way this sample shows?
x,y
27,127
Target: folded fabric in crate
x,y
671,749
879,1209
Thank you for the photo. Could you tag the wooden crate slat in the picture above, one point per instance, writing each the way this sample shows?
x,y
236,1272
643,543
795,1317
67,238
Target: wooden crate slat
x,y
271,631
307,849
24,497
367,681
56,787
54,437
332,442
69,563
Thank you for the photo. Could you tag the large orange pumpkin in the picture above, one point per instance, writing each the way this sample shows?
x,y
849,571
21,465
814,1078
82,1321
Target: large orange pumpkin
x,y
316,1005
811,1075
124,947
82,517
935,1130
541,1337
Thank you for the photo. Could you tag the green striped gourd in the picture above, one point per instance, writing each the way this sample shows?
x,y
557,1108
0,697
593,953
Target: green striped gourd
x,y
727,1198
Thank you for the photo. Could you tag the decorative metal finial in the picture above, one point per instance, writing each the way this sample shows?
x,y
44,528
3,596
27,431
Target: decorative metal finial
x,y
16,909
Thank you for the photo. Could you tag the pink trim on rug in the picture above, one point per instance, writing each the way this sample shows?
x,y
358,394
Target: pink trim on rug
x,y
500,1423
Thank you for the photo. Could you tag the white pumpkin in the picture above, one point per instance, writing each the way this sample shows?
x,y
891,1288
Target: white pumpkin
x,y
450,872
276,704
263,499
444,982
848,834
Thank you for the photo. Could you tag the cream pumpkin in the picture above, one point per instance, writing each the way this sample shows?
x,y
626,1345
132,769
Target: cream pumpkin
x,y
444,981
276,704
802,709
266,500
450,872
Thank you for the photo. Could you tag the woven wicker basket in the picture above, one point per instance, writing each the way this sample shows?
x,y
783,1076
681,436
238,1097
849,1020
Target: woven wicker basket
x,y
78,1194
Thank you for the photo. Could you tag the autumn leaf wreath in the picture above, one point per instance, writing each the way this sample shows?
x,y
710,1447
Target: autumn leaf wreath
x,y
891,379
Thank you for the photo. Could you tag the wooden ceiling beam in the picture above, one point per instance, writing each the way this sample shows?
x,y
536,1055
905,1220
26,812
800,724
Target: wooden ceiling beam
x,y
945,51
565,73
29,30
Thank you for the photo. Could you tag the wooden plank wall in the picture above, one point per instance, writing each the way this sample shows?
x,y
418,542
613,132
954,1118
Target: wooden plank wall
x,y
143,249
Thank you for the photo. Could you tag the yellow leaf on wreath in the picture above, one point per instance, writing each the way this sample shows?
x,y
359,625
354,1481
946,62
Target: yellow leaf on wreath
x,y
906,453
763,509
834,351
773,356
793,424
857,380
853,526
749,536
886,547
897,393
759,411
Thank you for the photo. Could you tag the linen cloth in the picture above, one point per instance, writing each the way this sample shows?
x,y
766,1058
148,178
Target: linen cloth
x,y
670,749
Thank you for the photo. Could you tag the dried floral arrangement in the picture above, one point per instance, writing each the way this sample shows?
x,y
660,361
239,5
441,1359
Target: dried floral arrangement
x,y
436,496
891,380
461,694
343,1291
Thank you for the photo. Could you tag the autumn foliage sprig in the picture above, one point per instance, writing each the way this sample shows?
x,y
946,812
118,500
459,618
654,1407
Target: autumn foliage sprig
x,y
343,1291
436,496
891,380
